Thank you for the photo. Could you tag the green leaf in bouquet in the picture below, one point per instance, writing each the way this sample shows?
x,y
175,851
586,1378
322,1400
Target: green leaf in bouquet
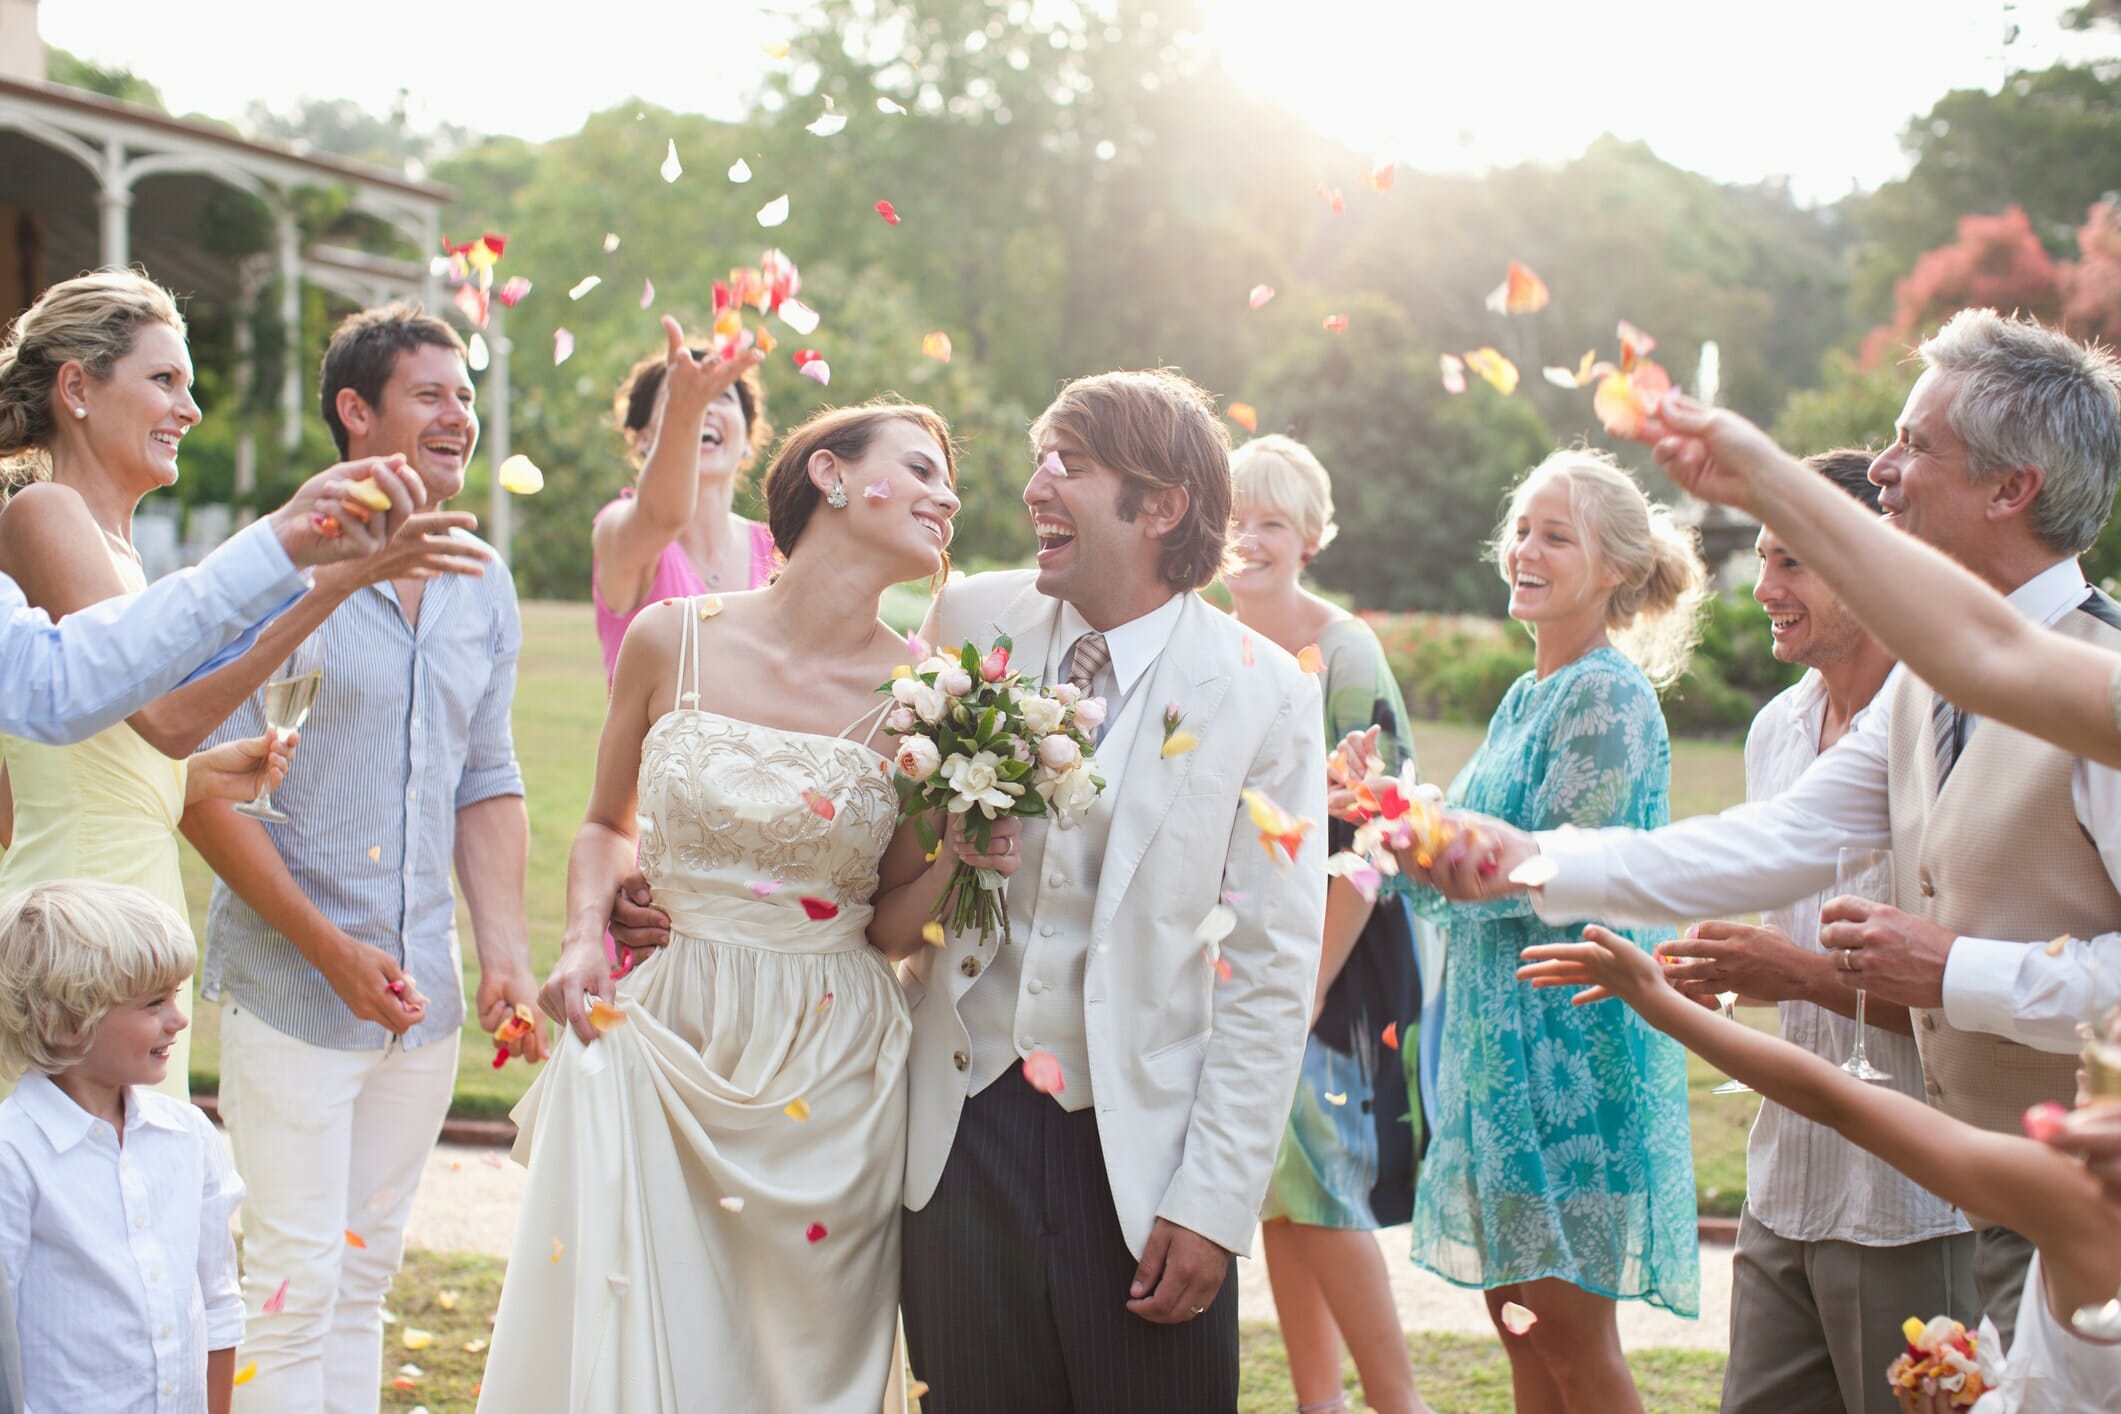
x,y
1012,769
1031,805
968,657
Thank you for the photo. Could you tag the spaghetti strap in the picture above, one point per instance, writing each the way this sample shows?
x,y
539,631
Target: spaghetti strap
x,y
688,644
874,719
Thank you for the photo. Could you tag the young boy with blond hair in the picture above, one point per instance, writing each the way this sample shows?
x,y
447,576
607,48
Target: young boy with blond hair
x,y
114,1200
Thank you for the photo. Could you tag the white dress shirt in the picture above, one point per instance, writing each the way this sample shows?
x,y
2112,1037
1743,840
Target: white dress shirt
x,y
1803,1181
1134,648
101,664
1766,854
119,1259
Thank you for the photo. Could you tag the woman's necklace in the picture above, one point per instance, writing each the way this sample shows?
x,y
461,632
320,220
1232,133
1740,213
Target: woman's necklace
x,y
711,572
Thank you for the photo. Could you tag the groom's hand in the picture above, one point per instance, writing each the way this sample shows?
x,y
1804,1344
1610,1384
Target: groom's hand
x,y
1179,1275
636,923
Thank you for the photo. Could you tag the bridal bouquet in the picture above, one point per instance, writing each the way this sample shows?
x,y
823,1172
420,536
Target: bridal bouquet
x,y
980,741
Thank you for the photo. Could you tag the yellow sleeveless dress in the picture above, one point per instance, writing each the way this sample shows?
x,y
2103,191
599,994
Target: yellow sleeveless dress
x,y
106,809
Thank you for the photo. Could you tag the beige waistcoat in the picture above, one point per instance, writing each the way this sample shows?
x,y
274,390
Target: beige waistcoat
x,y
1998,854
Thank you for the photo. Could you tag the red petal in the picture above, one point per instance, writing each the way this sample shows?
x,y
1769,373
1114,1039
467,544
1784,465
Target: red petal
x,y
819,908
805,357
1336,323
815,1232
1391,1036
819,802
885,210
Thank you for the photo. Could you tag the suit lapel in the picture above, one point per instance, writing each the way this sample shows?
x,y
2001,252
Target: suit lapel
x,y
1149,784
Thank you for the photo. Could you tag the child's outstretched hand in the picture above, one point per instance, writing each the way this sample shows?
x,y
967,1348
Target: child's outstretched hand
x,y
1604,964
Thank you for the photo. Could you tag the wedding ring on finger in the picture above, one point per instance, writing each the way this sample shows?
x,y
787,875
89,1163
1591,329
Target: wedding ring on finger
x,y
1848,960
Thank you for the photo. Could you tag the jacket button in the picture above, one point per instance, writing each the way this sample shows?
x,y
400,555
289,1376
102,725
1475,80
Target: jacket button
x,y
1929,886
1929,1021
960,1060
970,966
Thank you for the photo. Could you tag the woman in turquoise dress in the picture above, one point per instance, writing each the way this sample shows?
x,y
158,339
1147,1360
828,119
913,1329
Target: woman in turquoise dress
x,y
1560,1175
1353,1142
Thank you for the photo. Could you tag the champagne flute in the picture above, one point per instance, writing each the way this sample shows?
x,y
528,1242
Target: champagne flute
x,y
286,698
1727,1003
1864,873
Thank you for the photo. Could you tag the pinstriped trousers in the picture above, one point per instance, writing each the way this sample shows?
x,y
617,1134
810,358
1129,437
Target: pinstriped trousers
x,y
1015,1280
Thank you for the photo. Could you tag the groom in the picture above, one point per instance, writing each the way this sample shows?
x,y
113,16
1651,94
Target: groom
x,y
1071,1250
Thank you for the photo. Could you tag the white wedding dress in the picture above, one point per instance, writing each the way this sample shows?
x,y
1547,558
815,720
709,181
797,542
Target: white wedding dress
x,y
690,1240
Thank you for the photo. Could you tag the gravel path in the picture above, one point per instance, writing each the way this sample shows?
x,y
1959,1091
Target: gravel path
x,y
469,1198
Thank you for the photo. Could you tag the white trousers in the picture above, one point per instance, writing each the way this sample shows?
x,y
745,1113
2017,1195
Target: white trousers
x,y
328,1143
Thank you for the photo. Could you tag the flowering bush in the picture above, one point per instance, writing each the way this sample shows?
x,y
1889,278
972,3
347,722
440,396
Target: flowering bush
x,y
978,740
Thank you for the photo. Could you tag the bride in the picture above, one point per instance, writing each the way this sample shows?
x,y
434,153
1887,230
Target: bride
x,y
717,1153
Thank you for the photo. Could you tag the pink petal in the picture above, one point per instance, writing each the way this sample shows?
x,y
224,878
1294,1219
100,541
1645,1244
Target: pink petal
x,y
1042,1070
275,1302
1261,294
878,490
1050,464
562,347
1517,1319
818,371
1454,372
647,293
1336,324
886,210
764,888
916,646
815,1232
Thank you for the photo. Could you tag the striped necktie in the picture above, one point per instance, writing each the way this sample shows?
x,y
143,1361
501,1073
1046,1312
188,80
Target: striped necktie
x,y
1948,728
1087,659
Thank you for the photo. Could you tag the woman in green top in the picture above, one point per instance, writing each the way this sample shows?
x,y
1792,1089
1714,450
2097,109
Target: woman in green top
x,y
1349,1155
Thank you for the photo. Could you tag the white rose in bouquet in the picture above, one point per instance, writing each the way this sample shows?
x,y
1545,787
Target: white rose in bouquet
x,y
1020,750
1073,792
1042,715
976,780
1090,713
935,663
1066,693
918,757
930,704
900,721
1059,752
955,682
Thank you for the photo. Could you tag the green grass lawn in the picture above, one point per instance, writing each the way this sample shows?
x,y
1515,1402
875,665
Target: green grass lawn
x,y
452,1298
559,710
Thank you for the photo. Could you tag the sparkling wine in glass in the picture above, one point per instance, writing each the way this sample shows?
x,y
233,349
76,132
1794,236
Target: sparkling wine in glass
x,y
1864,873
286,698
1727,1003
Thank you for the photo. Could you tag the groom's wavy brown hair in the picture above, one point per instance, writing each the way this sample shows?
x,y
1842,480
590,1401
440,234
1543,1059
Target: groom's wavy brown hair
x,y
1158,429
792,497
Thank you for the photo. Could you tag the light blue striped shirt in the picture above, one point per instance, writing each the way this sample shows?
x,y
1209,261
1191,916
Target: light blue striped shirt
x,y
411,727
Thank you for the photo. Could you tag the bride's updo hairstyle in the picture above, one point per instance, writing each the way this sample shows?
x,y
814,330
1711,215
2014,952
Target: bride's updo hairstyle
x,y
91,320
1654,613
792,497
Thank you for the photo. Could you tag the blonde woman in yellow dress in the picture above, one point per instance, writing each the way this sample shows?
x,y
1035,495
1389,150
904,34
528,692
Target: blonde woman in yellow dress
x,y
95,396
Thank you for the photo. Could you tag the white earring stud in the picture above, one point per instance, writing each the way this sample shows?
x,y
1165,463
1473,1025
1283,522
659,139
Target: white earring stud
x,y
80,412
836,497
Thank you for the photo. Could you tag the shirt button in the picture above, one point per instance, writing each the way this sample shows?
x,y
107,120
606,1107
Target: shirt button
x,y
960,1059
970,967
165,1332
140,1221
1054,881
412,792
1045,930
1029,1043
1034,986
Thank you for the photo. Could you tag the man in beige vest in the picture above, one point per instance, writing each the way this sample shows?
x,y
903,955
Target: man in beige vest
x,y
2006,458
1071,1250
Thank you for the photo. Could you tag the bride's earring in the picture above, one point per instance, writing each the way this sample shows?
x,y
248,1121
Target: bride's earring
x,y
837,496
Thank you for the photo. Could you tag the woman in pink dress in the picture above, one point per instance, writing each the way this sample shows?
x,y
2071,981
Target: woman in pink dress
x,y
675,534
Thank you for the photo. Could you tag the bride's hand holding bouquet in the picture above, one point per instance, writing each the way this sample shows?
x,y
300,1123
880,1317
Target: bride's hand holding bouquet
x,y
987,749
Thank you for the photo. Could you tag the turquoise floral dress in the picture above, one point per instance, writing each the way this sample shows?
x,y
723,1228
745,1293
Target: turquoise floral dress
x,y
1353,1144
1561,1146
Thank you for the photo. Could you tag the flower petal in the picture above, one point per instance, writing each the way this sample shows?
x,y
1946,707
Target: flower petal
x,y
1336,324
672,169
820,803
886,105
584,285
1042,1071
1310,660
354,1239
562,346
932,934
799,316
818,908
1178,743
797,1109
1517,1319
815,1233
1491,365
774,212
611,241
604,1016
818,371
877,490
477,356
1521,292
248,1373
1219,922
1391,1036
1454,372
1260,295
889,212
826,124
740,171
765,888
732,1204
413,1338
1244,415
276,1302
519,476
936,346
647,293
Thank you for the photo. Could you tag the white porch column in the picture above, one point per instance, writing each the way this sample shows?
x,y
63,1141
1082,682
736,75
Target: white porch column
x,y
114,204
500,515
289,250
249,277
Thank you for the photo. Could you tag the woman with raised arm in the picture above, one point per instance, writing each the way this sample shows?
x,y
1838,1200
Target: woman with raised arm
x,y
1560,1176
2052,1198
692,424
95,399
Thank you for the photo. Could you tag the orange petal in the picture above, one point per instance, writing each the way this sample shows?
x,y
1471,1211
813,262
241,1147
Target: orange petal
x,y
354,1239
1259,296
819,802
1491,365
1380,176
1042,1069
936,346
1310,660
932,933
1391,1036
1521,291
797,1108
603,1015
1245,416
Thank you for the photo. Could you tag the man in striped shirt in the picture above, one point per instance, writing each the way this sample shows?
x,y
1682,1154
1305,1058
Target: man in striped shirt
x,y
1836,1247
331,940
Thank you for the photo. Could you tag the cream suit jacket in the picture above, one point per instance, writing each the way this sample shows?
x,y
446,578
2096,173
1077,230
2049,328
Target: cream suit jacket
x,y
1192,1076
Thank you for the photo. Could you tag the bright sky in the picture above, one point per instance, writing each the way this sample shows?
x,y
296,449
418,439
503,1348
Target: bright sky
x,y
1815,90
